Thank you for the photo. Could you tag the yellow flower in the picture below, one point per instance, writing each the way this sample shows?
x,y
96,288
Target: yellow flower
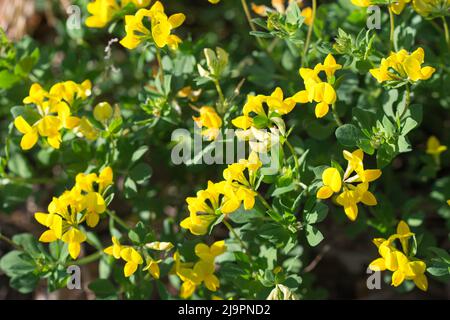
x,y
209,254
161,27
68,211
316,90
103,11
214,1
201,272
159,246
396,6
307,13
351,194
277,104
105,179
115,249
210,120
404,267
431,8
402,66
218,198
331,183
152,267
434,146
133,260
87,130
54,112
103,112
95,205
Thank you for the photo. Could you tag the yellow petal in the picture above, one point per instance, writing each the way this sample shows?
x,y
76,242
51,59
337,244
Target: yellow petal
x,y
332,178
321,110
397,278
48,236
130,268
29,140
377,265
22,125
421,282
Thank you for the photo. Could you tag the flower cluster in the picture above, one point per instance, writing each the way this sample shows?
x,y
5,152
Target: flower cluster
x,y
53,112
133,257
353,189
103,11
210,120
403,67
83,203
202,271
316,90
402,263
223,197
397,6
432,8
255,118
161,28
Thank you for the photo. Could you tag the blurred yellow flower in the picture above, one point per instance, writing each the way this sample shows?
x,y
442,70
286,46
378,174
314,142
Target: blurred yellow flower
x,y
402,66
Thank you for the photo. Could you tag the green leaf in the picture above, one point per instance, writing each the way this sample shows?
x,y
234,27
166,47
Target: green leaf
x,y
19,166
103,289
7,80
141,173
130,188
313,235
347,135
317,214
138,154
16,263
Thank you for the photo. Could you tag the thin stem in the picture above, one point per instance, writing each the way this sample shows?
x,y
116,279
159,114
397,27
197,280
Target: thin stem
x,y
250,22
10,242
446,32
292,150
85,260
221,96
407,102
264,202
310,30
391,37
117,219
228,225
335,115
161,70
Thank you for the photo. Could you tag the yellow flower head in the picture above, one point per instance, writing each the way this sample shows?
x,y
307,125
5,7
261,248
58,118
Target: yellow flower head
x,y
434,146
202,271
67,212
402,66
161,27
431,8
396,6
210,120
353,189
403,266
54,112
316,90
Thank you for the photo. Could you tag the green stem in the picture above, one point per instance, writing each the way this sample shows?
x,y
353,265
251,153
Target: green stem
x,y
117,219
264,202
391,37
250,22
407,102
335,115
221,96
446,32
228,225
10,242
296,164
161,70
85,260
310,30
